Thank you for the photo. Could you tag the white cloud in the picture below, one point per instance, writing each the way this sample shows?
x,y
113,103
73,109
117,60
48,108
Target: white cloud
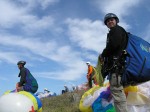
x,y
46,3
12,15
9,14
42,4
9,57
48,49
33,25
36,45
87,34
119,7
70,73
91,56
65,55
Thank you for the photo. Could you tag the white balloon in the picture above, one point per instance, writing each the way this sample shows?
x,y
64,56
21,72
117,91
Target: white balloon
x,y
15,102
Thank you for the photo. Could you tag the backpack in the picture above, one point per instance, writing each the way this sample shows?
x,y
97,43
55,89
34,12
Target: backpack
x,y
137,61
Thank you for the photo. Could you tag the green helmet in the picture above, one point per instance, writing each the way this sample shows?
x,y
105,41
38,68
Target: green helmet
x,y
21,62
110,15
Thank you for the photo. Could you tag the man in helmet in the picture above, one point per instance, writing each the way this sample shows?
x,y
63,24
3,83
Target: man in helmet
x,y
116,42
27,81
89,74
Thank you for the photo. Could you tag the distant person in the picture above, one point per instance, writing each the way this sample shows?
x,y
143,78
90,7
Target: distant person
x,y
27,81
89,74
66,89
46,90
47,93
73,87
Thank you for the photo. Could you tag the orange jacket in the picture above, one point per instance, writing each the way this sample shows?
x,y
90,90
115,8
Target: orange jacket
x,y
90,70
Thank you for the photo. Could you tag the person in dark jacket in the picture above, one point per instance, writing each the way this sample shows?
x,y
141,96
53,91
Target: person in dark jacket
x,y
116,42
66,89
27,81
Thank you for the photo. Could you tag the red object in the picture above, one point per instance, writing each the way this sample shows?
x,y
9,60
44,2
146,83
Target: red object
x,y
32,109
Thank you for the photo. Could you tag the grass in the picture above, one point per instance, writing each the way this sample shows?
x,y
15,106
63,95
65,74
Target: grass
x,y
68,102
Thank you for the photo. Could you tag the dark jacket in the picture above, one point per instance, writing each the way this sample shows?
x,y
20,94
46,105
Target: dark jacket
x,y
116,42
117,39
28,82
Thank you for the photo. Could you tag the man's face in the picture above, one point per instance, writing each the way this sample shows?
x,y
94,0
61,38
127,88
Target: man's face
x,y
19,66
111,23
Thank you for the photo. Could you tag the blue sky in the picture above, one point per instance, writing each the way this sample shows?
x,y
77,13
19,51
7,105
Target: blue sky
x,y
57,37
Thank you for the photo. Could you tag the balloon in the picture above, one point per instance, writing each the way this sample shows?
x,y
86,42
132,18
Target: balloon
x,y
14,102
36,101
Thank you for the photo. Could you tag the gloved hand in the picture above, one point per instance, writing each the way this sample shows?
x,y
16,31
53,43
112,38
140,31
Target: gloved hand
x,y
87,77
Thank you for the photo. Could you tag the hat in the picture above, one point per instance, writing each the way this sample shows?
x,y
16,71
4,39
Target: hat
x,y
21,62
45,89
110,15
88,63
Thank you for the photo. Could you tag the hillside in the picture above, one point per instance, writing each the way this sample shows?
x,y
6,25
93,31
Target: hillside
x,y
68,102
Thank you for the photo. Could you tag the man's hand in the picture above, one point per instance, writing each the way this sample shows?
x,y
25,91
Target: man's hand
x,y
17,87
87,77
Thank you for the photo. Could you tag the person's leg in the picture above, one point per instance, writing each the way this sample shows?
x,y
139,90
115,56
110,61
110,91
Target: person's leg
x,y
90,82
62,92
30,89
118,93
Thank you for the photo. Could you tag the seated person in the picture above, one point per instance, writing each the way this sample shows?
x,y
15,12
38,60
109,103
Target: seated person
x,y
66,89
27,81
